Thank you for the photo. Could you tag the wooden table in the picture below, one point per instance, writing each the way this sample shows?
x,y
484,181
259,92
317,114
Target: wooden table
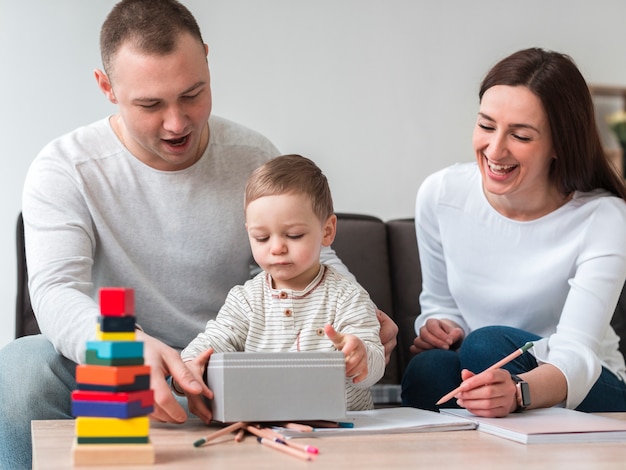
x,y
52,442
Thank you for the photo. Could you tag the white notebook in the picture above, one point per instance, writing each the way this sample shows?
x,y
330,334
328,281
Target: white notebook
x,y
388,421
548,425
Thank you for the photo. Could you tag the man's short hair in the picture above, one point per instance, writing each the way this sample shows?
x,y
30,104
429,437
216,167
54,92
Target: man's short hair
x,y
152,25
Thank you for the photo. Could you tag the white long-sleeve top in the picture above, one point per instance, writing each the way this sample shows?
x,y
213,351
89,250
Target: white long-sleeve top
x,y
96,216
259,318
559,276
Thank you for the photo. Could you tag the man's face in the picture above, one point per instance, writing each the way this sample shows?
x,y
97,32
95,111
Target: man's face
x,y
164,103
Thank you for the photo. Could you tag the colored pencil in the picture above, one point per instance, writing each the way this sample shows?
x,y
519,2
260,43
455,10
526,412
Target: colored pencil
x,y
286,449
240,435
497,365
271,434
298,427
221,432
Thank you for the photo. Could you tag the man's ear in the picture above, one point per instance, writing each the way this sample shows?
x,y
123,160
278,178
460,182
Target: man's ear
x,y
105,85
330,230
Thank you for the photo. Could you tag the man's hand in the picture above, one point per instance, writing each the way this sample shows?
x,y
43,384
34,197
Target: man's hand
x,y
354,351
195,401
164,361
388,333
437,334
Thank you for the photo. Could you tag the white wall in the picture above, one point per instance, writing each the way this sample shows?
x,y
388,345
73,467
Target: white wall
x,y
379,92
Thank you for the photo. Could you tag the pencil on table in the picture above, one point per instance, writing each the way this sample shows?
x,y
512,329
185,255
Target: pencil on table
x,y
271,434
221,432
299,427
240,435
327,424
497,365
302,447
286,449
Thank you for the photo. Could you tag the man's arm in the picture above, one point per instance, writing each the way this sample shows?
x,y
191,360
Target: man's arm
x,y
388,328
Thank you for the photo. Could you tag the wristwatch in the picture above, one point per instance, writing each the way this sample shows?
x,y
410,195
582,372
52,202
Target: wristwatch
x,y
523,393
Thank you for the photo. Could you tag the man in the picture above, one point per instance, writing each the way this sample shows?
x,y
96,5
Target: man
x,y
149,198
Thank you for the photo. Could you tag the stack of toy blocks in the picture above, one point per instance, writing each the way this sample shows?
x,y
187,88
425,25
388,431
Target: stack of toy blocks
x,y
113,399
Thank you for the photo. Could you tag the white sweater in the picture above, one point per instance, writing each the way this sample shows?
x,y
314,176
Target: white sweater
x,y
96,216
559,276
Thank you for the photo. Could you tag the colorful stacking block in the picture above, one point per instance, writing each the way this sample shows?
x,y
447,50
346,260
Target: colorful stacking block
x,y
113,399
88,426
116,349
112,378
116,324
110,409
93,358
115,335
114,353
113,440
113,405
117,302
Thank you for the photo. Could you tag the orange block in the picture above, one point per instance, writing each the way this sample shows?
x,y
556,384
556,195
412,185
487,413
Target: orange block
x,y
109,375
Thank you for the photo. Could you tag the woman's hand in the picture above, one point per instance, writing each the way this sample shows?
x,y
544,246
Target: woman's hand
x,y
437,334
491,394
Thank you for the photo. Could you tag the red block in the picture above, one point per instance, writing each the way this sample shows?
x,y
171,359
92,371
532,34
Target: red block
x,y
145,397
117,301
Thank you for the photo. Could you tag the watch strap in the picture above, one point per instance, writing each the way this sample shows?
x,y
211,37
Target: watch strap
x,y
522,393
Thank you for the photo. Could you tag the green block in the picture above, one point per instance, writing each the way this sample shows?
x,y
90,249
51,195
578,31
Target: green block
x,y
113,440
93,359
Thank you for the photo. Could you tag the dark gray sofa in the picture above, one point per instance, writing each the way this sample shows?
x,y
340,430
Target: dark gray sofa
x,y
382,255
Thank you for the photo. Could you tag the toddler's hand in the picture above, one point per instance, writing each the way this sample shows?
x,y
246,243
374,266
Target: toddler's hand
x,y
354,350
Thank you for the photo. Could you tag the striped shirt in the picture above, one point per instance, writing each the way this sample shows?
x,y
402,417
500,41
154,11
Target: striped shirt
x,y
258,318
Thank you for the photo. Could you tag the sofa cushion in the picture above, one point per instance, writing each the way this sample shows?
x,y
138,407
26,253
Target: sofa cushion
x,y
361,243
406,283
25,322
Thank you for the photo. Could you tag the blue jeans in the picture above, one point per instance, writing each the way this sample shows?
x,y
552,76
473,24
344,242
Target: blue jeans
x,y
431,374
36,382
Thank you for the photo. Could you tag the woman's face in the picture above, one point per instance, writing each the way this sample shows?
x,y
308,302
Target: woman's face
x,y
513,146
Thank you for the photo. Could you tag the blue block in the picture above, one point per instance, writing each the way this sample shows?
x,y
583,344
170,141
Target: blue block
x,y
109,409
116,349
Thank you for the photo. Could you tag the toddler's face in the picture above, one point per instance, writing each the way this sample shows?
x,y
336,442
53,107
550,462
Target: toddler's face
x,y
286,238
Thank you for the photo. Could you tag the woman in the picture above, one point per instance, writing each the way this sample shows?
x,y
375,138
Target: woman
x,y
528,244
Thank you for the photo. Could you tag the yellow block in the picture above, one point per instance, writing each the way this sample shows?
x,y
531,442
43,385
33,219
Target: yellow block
x,y
114,335
112,454
88,426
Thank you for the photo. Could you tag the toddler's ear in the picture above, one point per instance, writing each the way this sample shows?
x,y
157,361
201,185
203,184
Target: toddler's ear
x,y
330,230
